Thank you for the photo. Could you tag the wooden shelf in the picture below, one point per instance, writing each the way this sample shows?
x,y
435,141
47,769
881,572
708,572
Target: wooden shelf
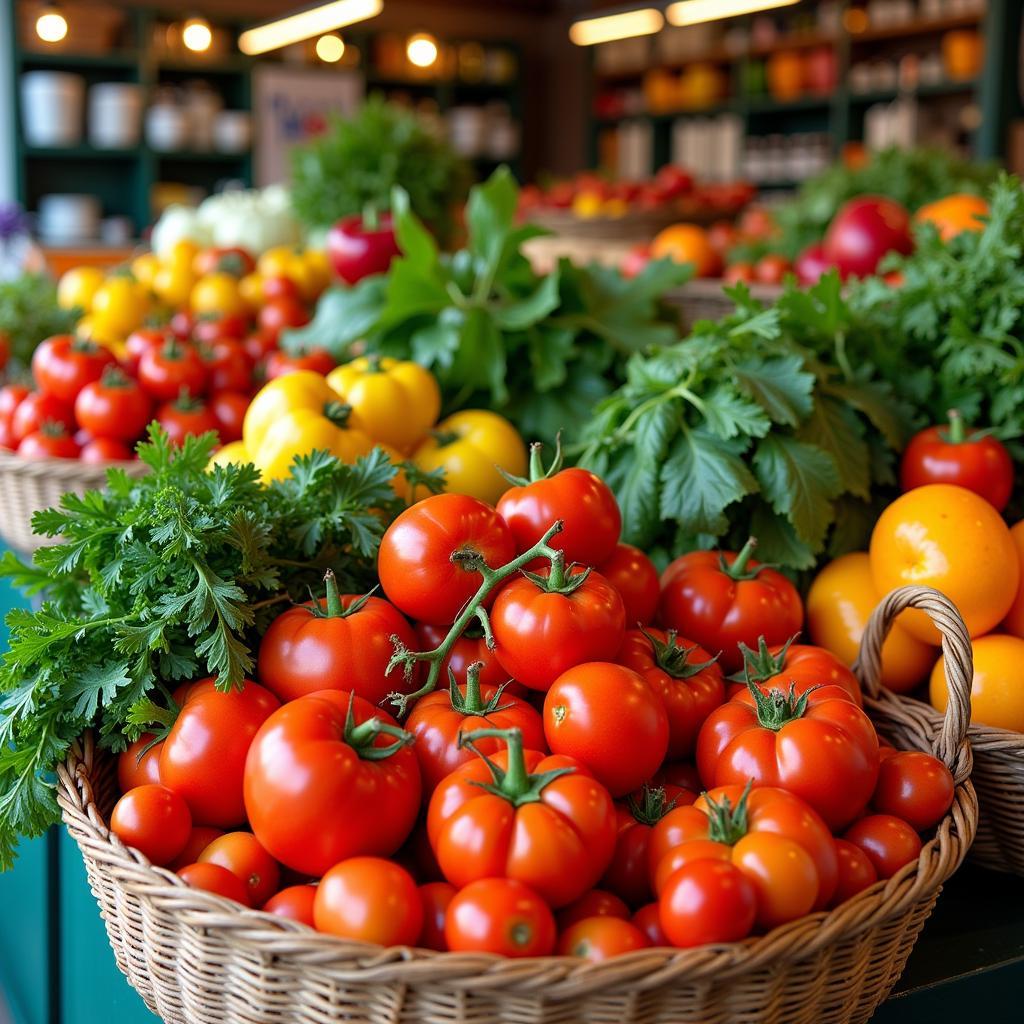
x,y
793,41
935,89
124,60
926,27
767,105
80,152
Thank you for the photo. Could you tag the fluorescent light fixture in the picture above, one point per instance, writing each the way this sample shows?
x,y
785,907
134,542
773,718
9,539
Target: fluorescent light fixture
x,y
330,48
197,35
315,21
693,12
624,25
421,50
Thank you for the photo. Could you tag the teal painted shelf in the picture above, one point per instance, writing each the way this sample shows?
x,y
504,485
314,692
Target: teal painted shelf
x,y
123,59
79,153
200,156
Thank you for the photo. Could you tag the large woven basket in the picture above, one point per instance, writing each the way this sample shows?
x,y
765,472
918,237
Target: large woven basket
x,y
28,485
196,958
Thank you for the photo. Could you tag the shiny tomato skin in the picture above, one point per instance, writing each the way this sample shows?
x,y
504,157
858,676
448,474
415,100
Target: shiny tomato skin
x,y
608,717
634,576
706,605
468,649
216,879
707,901
113,406
166,372
783,875
414,563
436,724
295,902
889,842
228,367
135,768
63,365
371,900
203,758
104,449
595,903
198,840
242,854
914,786
648,920
582,501
500,915
539,635
435,897
35,411
280,314
600,938
559,845
805,666
312,800
182,419
627,875
689,696
771,269
302,653
278,363
258,345
856,872
11,396
154,820
48,443
228,408
828,757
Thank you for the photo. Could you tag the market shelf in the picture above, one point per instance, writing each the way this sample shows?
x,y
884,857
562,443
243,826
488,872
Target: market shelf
x,y
920,27
82,152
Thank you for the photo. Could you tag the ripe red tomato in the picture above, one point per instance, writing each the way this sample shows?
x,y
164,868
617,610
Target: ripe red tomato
x,y
369,899
820,746
889,842
213,878
648,920
554,833
138,765
154,820
137,342
295,902
863,231
114,406
63,365
104,449
956,454
203,758
500,915
277,363
198,840
595,903
242,854
720,600
680,780
5,349
803,665
228,368
35,411
416,565
582,501
166,372
186,417
601,938
544,623
684,676
741,270
51,441
856,872
634,576
812,264
210,329
182,324
329,776
771,269
258,345
11,396
707,901
609,718
914,786
435,898
470,648
280,287
344,644
228,408
628,875
225,259
6,440
280,314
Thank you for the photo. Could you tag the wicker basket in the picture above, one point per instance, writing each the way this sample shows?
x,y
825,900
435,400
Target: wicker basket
x,y
28,485
196,958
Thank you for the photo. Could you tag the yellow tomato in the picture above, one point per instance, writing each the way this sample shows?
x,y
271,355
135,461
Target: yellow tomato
x,y
319,272
469,445
78,286
173,285
300,432
233,454
302,389
997,696
839,604
951,539
588,204
182,254
277,262
119,306
217,293
397,402
251,290
1014,621
145,268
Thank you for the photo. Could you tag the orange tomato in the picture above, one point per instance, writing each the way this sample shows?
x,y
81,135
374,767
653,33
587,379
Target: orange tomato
x,y
839,604
951,539
687,243
953,214
1014,621
997,696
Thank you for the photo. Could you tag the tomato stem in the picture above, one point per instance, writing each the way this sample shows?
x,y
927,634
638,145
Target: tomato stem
x,y
728,824
761,664
776,708
338,413
957,432
513,783
472,702
738,570
362,738
651,807
334,608
672,657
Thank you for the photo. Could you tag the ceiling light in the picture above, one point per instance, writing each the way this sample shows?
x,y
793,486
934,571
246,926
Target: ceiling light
x,y
693,12
421,50
51,25
625,25
306,24
330,48
197,35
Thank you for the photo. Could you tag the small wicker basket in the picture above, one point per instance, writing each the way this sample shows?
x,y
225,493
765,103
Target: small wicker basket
x,y
28,485
196,958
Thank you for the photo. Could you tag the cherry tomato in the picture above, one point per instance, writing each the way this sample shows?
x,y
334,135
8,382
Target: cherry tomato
x,y
707,901
228,408
203,758
435,898
211,329
51,441
720,600
546,622
228,368
198,840
741,270
888,842
997,698
154,820
771,269
63,365
628,874
802,665
595,903
341,643
318,360
648,920
280,287
227,259
680,780
140,763
186,417
914,786
295,903
328,776
500,915
6,439
115,406
609,718
213,878
634,576
104,449
956,454
601,938
242,854
369,899
280,314
182,324
470,648
416,565
138,342
11,396
684,676
856,872
258,346
35,411
166,372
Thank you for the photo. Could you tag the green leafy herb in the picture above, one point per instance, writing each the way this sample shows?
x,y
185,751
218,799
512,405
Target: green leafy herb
x,y
29,313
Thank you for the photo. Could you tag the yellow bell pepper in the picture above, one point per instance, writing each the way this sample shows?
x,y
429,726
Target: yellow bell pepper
x,y
77,286
233,454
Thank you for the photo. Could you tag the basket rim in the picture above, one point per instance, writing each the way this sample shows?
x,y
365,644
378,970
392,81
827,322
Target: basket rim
x,y
92,474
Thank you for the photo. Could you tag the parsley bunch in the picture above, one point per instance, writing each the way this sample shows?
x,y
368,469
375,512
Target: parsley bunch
x,y
159,579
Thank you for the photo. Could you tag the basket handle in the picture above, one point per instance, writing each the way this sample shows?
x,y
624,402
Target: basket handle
x,y
951,742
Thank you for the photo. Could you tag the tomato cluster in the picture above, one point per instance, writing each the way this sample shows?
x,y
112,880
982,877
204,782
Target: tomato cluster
x,y
544,797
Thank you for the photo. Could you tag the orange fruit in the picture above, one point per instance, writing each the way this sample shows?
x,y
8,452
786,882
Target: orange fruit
x,y
687,243
956,213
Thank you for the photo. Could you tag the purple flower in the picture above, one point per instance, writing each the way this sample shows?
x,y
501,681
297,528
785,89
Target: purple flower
x,y
13,221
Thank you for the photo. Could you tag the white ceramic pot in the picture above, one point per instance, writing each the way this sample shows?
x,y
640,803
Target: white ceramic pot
x,y
115,115
69,217
51,108
167,127
232,131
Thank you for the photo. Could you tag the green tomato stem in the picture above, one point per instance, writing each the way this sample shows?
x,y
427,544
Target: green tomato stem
x,y
334,608
957,432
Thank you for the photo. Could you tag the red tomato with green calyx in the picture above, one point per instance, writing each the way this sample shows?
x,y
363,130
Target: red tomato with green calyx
x,y
628,875
115,406
35,411
137,343
803,666
63,365
174,367
469,649
186,417
228,368
50,441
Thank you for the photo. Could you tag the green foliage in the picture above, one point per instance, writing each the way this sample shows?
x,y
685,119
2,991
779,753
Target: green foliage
x,y
160,579
542,349
359,160
771,422
29,313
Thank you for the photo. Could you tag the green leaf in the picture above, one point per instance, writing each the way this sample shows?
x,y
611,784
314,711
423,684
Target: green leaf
x,y
415,241
524,313
550,350
637,492
490,213
729,414
777,542
834,427
781,386
876,401
343,316
95,686
480,357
